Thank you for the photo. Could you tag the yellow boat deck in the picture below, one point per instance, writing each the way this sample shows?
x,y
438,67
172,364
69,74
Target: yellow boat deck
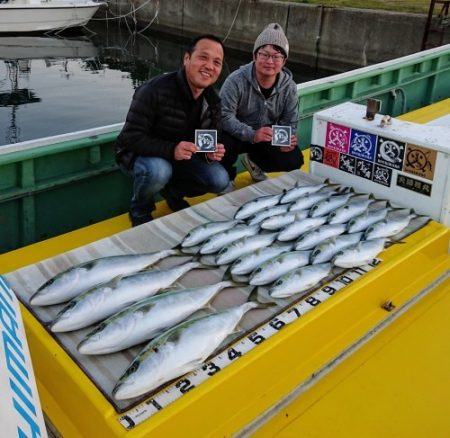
x,y
393,383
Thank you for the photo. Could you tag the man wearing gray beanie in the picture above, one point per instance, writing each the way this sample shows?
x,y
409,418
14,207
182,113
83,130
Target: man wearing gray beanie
x,y
254,98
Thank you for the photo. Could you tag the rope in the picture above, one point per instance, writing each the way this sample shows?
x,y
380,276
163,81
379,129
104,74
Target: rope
x,y
232,23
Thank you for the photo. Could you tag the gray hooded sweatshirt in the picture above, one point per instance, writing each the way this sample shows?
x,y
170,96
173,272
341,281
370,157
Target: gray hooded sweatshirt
x,y
245,109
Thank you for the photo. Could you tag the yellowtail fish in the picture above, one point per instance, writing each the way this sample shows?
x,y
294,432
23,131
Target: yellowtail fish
x,y
343,214
102,301
363,221
274,268
296,229
244,245
325,206
267,213
388,227
326,250
251,207
299,191
147,318
249,262
360,254
307,201
218,241
72,282
299,280
279,221
202,232
314,237
177,351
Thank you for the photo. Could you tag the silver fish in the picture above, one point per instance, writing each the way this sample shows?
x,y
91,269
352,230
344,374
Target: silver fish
x,y
307,201
266,213
296,229
278,266
360,254
147,318
217,242
301,190
324,207
316,236
344,213
255,205
202,232
363,221
326,250
299,280
177,351
244,245
388,227
249,262
279,221
70,283
104,300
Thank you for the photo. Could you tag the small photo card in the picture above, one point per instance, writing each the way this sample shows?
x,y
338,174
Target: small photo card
x,y
281,135
206,140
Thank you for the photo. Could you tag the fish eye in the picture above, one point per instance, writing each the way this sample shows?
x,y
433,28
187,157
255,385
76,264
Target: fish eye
x,y
48,283
133,368
257,270
316,252
99,328
224,250
279,282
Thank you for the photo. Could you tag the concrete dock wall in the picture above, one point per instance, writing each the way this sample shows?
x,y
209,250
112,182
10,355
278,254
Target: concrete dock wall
x,y
330,38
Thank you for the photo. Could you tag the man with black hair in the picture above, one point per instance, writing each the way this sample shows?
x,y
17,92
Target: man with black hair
x,y
156,146
254,98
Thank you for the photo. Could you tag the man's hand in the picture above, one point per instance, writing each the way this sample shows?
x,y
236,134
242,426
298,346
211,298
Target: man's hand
x,y
184,150
263,134
292,146
218,154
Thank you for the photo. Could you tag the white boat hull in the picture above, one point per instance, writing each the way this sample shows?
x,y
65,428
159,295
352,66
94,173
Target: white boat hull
x,y
25,17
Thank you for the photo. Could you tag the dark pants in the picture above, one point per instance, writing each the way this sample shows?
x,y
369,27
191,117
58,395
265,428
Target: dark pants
x,y
182,178
269,158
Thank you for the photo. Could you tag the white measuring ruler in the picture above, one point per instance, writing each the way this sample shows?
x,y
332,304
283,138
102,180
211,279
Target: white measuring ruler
x,y
177,389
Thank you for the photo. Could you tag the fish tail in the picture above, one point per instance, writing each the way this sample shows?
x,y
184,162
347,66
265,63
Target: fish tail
x,y
227,274
254,298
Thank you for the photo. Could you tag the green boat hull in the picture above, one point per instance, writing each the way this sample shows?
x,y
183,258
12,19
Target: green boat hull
x,y
52,186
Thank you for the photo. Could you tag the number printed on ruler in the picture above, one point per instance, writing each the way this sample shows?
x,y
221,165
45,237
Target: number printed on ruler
x,y
183,385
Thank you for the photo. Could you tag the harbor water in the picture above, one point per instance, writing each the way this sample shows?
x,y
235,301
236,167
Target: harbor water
x,y
52,85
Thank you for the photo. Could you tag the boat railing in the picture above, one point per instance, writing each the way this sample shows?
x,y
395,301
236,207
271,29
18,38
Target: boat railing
x,y
57,184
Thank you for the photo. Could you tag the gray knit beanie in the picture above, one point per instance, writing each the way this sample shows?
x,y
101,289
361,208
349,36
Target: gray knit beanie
x,y
272,34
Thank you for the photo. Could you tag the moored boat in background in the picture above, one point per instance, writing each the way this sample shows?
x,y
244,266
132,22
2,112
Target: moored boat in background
x,y
19,16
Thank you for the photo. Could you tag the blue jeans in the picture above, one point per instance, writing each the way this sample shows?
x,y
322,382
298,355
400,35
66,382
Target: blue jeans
x,y
182,178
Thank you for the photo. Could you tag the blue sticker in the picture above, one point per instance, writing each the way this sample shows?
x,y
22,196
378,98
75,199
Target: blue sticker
x,y
363,145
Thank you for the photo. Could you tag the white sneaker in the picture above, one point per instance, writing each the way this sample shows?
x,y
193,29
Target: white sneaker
x,y
254,170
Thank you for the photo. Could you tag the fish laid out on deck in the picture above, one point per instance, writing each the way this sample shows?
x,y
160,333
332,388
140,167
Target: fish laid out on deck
x,y
179,350
78,279
142,321
98,303
266,245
